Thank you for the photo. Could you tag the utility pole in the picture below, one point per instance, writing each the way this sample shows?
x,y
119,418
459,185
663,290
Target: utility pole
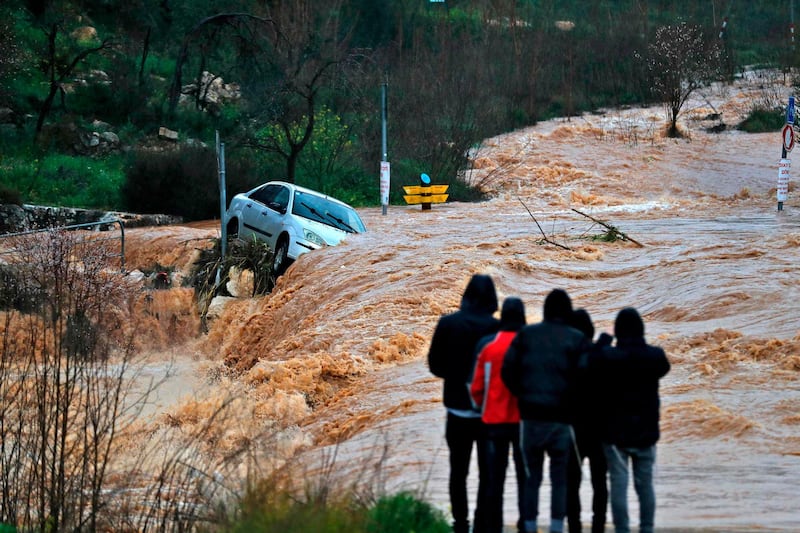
x,y
220,146
385,166
785,163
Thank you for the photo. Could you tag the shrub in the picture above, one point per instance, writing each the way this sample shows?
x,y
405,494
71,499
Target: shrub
x,y
253,255
286,515
403,512
763,120
279,512
182,182
65,361
9,195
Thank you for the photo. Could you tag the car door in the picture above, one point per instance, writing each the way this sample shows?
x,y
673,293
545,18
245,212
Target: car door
x,y
263,215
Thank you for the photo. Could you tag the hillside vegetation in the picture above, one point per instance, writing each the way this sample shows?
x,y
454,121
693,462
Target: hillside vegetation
x,y
294,88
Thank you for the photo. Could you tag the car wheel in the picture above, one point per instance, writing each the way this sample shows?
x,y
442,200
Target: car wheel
x,y
281,260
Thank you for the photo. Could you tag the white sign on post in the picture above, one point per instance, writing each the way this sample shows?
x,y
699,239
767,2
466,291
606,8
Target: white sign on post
x,y
385,181
783,179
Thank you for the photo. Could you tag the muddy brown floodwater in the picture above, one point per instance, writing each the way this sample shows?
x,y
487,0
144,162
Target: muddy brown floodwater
x,y
334,358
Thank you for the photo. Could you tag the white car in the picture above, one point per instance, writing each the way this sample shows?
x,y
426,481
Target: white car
x,y
292,220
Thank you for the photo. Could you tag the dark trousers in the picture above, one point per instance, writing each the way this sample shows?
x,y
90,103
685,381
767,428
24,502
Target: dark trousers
x,y
554,439
499,439
588,446
461,435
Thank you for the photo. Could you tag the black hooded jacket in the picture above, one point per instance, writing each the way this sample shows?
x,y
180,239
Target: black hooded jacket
x,y
629,373
540,367
452,352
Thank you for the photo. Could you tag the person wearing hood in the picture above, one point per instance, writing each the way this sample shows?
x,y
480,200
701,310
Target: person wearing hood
x,y
540,369
630,372
500,415
588,445
452,357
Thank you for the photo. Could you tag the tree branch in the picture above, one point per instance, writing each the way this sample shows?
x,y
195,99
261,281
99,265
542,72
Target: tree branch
x,y
612,229
544,237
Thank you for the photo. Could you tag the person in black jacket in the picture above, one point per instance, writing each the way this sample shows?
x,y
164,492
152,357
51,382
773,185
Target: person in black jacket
x,y
540,370
452,357
630,372
588,445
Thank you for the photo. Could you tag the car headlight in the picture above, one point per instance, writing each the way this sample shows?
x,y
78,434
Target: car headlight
x,y
313,237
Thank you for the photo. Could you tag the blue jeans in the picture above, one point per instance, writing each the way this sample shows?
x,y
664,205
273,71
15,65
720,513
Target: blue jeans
x,y
555,438
642,460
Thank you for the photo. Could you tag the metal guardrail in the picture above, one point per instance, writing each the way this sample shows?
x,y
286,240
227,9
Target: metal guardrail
x,y
85,225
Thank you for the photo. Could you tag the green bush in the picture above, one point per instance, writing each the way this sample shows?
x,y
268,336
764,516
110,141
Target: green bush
x,y
9,195
180,182
183,181
288,516
404,513
399,513
763,120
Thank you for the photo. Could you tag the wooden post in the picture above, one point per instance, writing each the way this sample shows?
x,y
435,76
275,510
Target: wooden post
x,y
425,181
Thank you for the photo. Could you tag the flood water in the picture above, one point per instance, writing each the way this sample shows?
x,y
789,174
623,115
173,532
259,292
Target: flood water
x,y
334,358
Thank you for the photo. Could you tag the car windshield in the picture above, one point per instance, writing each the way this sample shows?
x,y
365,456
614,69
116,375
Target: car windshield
x,y
323,210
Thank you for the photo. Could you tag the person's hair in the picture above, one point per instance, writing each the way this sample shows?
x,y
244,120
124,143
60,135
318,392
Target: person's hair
x,y
558,306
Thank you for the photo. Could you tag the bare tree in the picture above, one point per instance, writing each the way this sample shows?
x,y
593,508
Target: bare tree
x,y
64,368
681,60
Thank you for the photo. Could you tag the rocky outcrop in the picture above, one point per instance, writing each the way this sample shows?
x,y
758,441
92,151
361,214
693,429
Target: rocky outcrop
x,y
211,93
16,218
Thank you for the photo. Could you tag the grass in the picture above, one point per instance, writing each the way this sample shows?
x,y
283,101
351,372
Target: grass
x,y
402,512
64,180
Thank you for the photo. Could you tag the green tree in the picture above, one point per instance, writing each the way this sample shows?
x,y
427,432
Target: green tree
x,y
66,46
10,54
303,48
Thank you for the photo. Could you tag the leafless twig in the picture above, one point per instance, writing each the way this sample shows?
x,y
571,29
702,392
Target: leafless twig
x,y
544,237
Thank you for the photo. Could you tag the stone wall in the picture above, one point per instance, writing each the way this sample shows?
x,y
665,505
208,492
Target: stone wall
x,y
16,218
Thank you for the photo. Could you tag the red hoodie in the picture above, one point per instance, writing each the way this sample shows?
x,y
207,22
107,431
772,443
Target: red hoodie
x,y
497,404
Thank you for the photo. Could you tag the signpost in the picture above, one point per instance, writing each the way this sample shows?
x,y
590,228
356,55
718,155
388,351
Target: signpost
x,y
783,182
425,194
385,181
385,168
787,137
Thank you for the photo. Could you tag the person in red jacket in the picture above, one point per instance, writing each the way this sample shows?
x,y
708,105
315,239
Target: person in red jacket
x,y
500,415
